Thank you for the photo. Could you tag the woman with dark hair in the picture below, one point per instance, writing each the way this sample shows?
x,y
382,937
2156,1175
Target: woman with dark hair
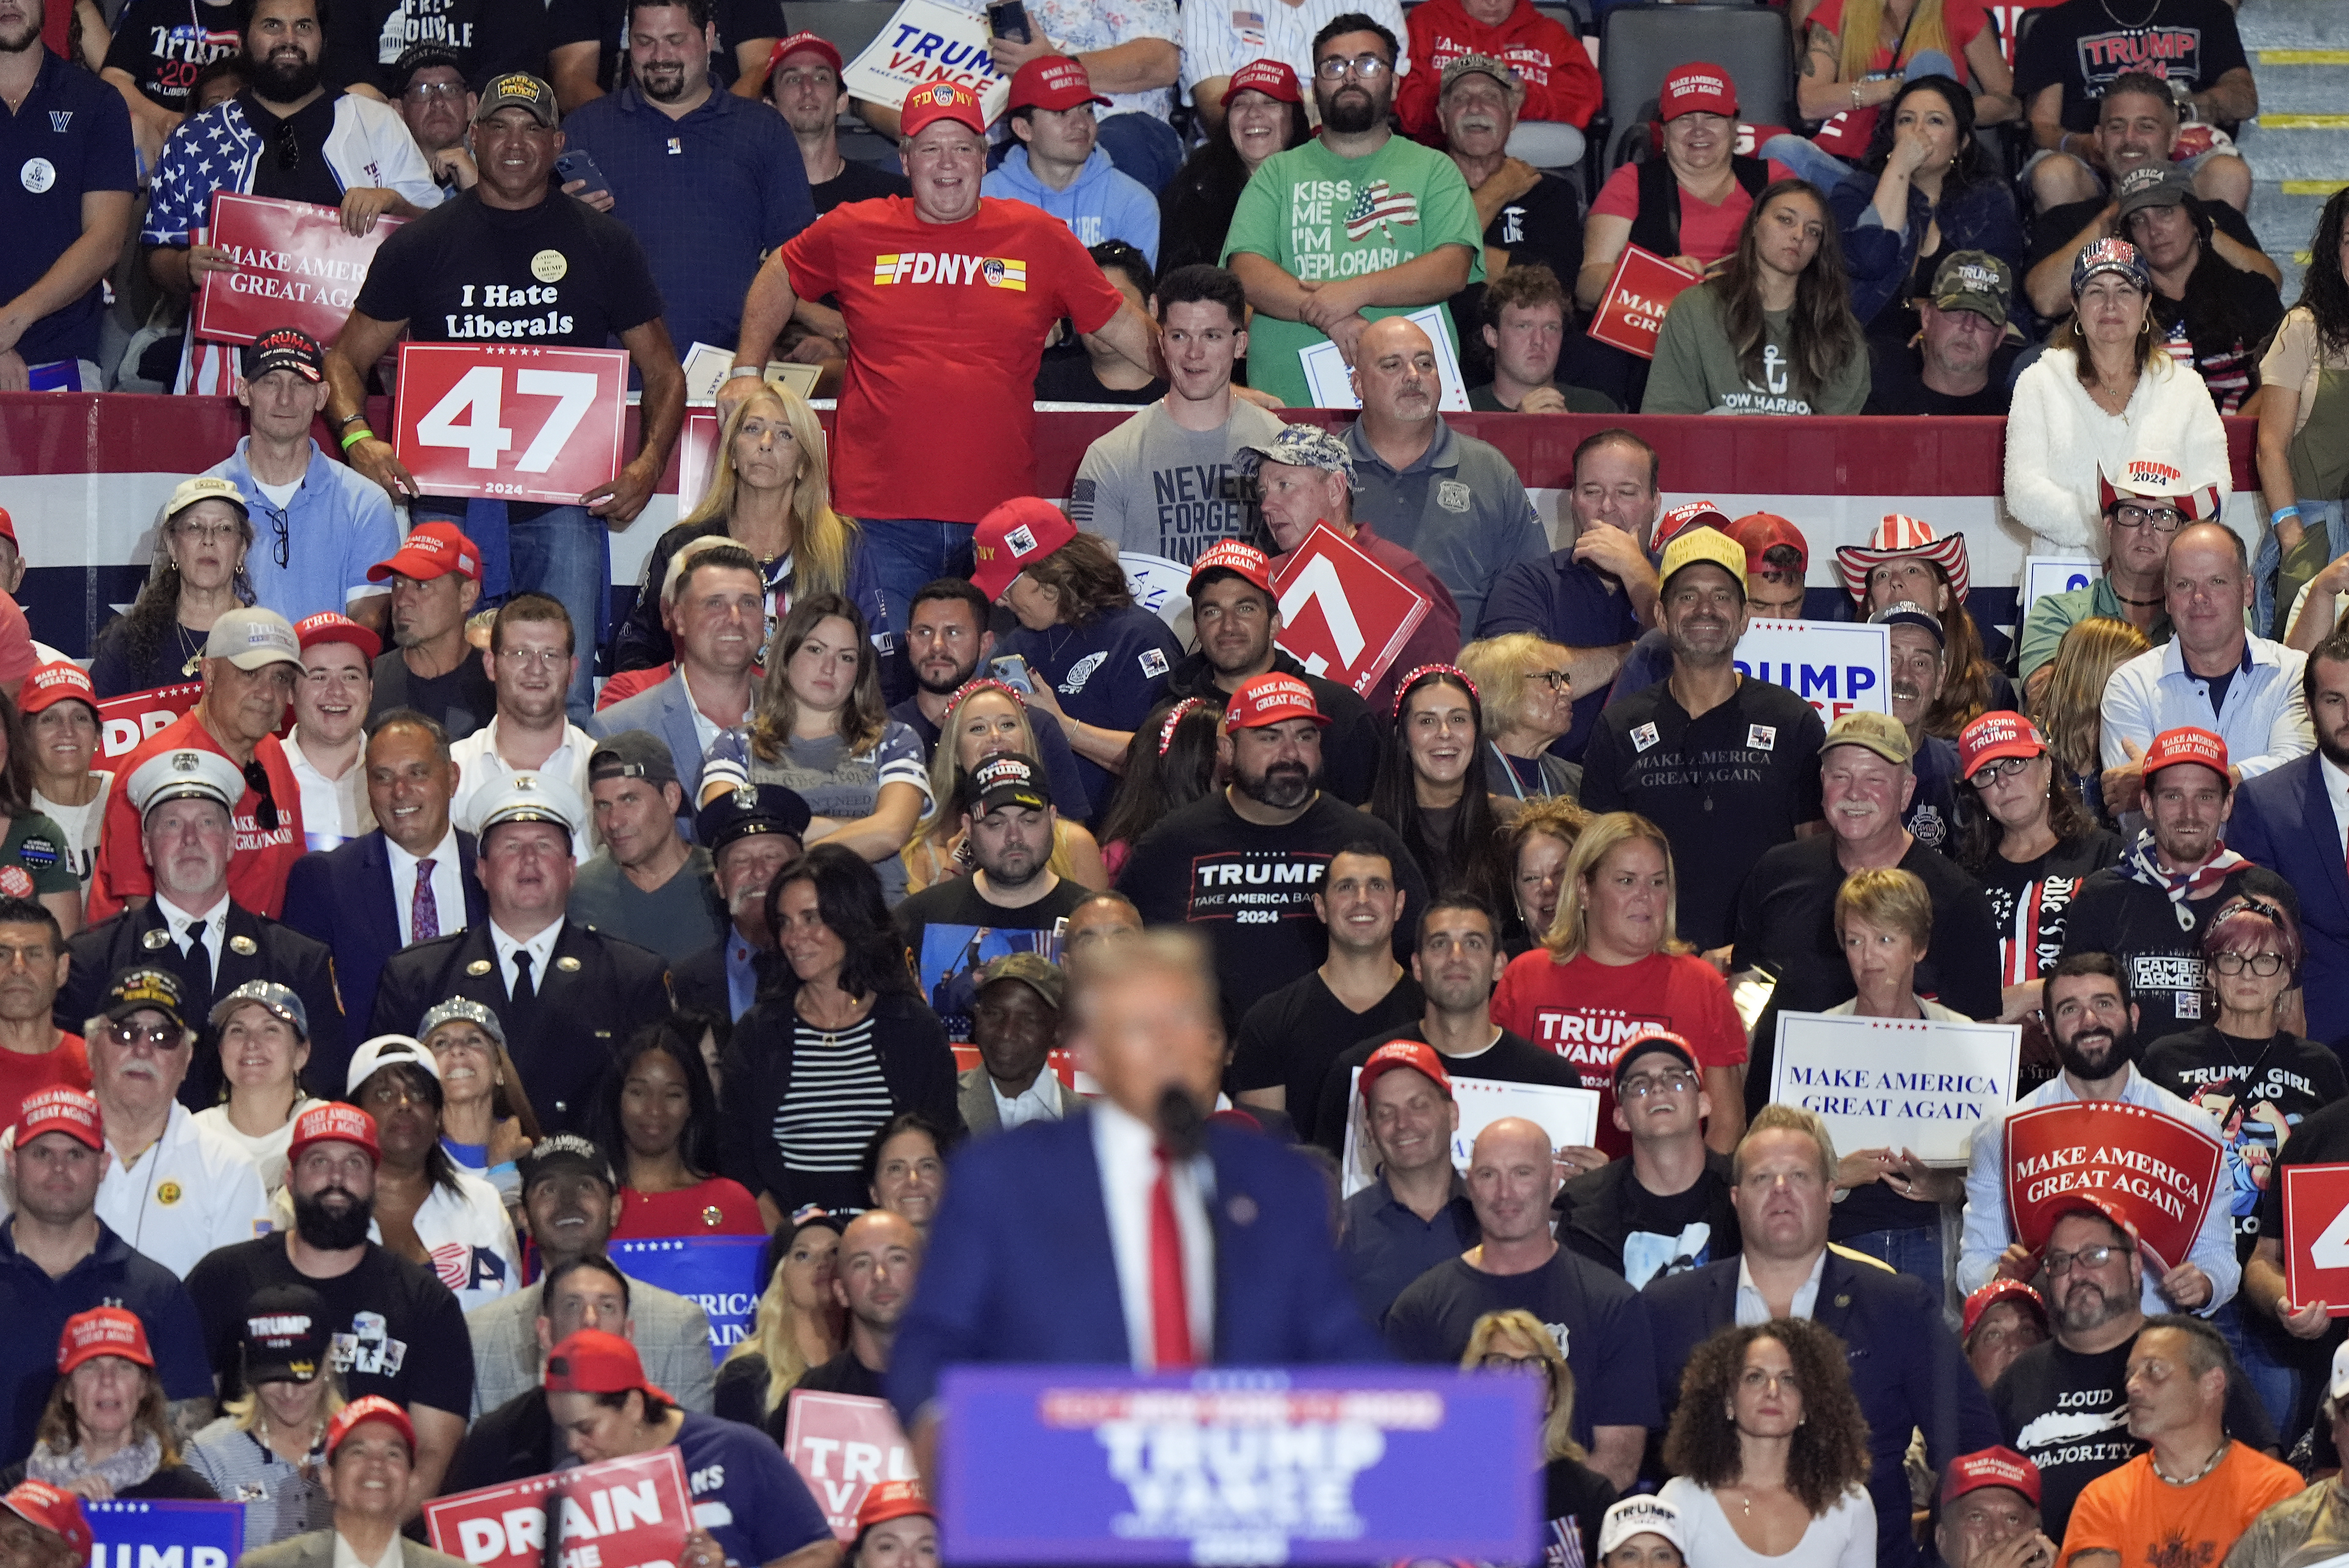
x,y
820,728
1169,764
1264,113
1770,1452
1431,786
895,1527
47,872
1773,332
426,1210
198,576
841,1042
1934,194
2303,447
799,1323
656,1119
905,1167
107,1430
1075,614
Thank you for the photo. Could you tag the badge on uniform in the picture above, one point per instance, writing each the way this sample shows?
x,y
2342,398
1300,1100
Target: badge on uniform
x,y
168,1194
1451,496
477,967
567,964
155,942
1645,735
243,947
1762,737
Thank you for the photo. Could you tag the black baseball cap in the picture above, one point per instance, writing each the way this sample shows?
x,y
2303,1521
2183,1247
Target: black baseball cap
x,y
285,1335
286,349
423,57
1649,1044
1008,779
559,1152
632,754
145,987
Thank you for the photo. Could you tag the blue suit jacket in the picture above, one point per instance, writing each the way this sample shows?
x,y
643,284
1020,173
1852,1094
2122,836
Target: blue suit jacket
x,y
2286,808
342,897
1905,1370
667,711
1019,1267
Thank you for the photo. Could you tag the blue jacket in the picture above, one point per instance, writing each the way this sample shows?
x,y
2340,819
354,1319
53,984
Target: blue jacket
x,y
1977,217
343,897
1019,1267
2288,805
1101,203
667,711
1905,1370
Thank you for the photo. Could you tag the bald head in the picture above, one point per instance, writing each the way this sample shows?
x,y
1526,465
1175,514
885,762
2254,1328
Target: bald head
x,y
1395,374
1511,1179
2207,586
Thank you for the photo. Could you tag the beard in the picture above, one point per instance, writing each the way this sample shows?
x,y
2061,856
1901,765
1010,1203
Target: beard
x,y
952,684
2334,745
2083,1311
280,80
1282,786
330,1230
1352,109
2097,1053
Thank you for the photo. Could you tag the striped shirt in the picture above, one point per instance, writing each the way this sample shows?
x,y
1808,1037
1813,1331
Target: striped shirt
x,y
279,1501
837,1100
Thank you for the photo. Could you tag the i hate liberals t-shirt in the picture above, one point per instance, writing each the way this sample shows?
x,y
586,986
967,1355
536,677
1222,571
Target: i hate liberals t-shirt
x,y
558,274
936,417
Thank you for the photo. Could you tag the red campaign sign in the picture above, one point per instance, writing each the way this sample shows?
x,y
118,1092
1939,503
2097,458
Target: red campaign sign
x,y
2316,1236
2159,1172
1334,602
1630,315
843,1446
519,423
632,1513
697,458
127,721
295,268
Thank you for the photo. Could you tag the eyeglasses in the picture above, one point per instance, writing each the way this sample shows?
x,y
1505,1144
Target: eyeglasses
x,y
1363,67
1989,773
256,779
1556,680
206,533
1496,1361
427,91
544,657
289,148
282,546
155,1036
2260,964
1639,1087
2060,1263
2164,519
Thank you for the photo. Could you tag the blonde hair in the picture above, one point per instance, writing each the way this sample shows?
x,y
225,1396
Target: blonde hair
x,y
774,1338
946,775
1568,933
1500,666
822,540
1778,1116
2069,708
246,1412
1890,899
1862,34
1557,1427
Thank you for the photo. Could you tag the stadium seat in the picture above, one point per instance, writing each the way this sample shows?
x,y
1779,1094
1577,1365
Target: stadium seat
x,y
1642,43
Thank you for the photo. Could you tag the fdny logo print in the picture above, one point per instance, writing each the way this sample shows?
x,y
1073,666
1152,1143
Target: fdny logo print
x,y
935,266
1645,735
1762,737
1153,663
1381,206
1082,672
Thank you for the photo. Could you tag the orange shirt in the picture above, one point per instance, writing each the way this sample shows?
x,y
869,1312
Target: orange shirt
x,y
2153,1524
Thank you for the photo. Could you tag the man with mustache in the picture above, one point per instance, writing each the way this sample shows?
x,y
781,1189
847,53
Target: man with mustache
x,y
398,1331
1914,669
2094,1024
946,641
1243,864
1319,269
750,833
284,137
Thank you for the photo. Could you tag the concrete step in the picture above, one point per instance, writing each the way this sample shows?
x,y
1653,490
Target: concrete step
x,y
2293,24
2297,145
2304,81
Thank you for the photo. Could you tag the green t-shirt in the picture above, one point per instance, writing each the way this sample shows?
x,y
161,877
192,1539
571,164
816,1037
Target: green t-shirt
x,y
1320,217
1696,372
37,858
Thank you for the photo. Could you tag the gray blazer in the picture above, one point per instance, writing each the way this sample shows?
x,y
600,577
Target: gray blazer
x,y
978,1101
316,1550
672,1336
667,711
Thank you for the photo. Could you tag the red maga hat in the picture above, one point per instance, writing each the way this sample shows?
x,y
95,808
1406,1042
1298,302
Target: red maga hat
x,y
332,625
2186,745
1698,84
44,1507
1244,561
1269,78
1990,1295
1053,81
432,550
103,1331
61,1109
1990,1467
1411,1053
334,1122
1269,700
55,682
812,42
373,1408
892,1499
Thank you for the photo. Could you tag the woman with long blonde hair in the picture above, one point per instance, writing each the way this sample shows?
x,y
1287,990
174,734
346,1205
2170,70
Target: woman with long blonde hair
x,y
2070,707
1575,1496
771,492
1610,955
986,719
799,1323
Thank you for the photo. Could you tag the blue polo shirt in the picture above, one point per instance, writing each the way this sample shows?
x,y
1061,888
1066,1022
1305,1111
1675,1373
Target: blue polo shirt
x,y
1570,603
333,527
71,135
35,1307
705,197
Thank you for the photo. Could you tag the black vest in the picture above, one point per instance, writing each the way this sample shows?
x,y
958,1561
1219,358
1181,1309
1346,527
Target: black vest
x,y
1657,228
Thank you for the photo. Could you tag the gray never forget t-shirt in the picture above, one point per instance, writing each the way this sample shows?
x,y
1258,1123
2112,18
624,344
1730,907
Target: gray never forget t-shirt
x,y
1153,487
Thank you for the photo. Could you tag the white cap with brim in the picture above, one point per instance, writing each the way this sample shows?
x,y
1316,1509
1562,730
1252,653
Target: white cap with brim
x,y
188,773
389,1051
532,797
1641,1515
2339,1386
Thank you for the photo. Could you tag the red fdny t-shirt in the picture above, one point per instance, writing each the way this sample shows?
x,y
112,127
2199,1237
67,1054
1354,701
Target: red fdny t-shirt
x,y
1586,1011
258,865
947,322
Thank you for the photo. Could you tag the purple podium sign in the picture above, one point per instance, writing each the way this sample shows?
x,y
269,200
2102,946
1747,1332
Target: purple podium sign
x,y
1239,1466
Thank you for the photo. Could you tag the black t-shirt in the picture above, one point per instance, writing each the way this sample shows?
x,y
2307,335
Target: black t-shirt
x,y
461,701
1248,888
1578,400
953,931
1575,1500
1609,1217
1597,1320
1785,915
560,272
2259,1091
1288,1040
163,44
398,1332
1511,1058
1065,375
2056,228
2227,314
2029,899
2081,46
1543,225
857,182
488,38
606,23
2163,954
304,177
1897,383
1724,786
2067,1412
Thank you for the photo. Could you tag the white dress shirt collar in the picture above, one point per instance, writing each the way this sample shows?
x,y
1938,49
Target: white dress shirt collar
x,y
541,949
1039,1102
1751,1309
447,884
2336,795
176,920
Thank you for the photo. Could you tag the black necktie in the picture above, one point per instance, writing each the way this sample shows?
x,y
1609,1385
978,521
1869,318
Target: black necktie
x,y
199,959
525,993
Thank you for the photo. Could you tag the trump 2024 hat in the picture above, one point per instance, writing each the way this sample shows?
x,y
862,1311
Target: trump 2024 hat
x,y
285,1335
925,106
1269,700
2154,478
1014,537
1008,779
286,349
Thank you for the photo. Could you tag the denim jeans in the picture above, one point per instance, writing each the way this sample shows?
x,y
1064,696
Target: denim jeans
x,y
2275,1381
1144,147
565,553
1912,1249
909,552
2329,516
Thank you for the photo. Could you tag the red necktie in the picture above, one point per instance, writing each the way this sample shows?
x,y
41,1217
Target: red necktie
x,y
1170,1305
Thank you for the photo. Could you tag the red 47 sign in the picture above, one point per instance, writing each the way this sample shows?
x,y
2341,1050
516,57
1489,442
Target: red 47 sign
x,y
2316,1236
516,422
1343,617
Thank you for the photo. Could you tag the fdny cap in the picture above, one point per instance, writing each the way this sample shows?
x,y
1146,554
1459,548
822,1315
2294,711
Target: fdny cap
x,y
1270,698
286,349
1413,1053
103,1331
1997,735
520,89
251,637
532,797
187,773
1697,87
281,1001
333,1122
61,1109
332,625
2186,744
1243,561
146,988
59,680
1053,81
432,550
925,106
1014,537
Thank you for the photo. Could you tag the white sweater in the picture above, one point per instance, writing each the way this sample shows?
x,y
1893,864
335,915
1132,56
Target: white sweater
x,y
2058,443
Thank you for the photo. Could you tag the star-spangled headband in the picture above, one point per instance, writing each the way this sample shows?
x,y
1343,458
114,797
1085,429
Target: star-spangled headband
x,y
1174,717
1411,680
971,688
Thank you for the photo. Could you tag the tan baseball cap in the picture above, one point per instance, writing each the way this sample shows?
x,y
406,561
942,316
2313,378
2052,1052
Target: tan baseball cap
x,y
1882,733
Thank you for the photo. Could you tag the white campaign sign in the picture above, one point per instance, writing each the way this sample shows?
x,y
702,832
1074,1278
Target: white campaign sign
x,y
1887,1083
1570,1116
1161,586
707,368
927,42
1326,378
2057,574
1836,665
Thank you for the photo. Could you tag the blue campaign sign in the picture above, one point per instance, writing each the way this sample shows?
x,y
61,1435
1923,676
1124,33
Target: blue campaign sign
x,y
718,1273
165,1534
1314,1464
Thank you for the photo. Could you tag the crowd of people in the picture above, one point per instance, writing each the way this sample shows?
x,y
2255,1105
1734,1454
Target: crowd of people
x,y
1041,977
